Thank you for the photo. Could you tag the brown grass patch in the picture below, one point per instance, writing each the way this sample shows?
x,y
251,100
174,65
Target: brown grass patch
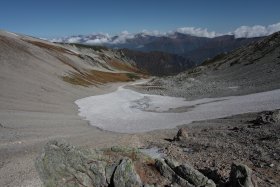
x,y
122,66
51,47
148,172
95,77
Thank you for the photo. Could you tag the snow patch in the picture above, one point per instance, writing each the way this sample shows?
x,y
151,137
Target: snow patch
x,y
128,111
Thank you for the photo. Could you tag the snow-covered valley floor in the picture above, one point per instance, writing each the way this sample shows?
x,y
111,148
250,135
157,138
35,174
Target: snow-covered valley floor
x,y
128,111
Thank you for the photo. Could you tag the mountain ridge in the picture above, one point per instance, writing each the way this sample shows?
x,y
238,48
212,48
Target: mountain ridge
x,y
191,47
248,69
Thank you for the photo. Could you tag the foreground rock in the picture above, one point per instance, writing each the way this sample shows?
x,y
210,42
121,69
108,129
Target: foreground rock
x,y
267,117
241,176
181,134
125,174
61,164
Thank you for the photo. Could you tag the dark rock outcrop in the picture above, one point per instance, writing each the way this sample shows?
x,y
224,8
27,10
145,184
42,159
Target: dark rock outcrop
x,y
267,117
241,176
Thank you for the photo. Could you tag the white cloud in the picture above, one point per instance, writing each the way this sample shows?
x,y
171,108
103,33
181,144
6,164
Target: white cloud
x,y
97,41
122,37
152,33
59,40
197,32
273,28
103,38
74,39
256,31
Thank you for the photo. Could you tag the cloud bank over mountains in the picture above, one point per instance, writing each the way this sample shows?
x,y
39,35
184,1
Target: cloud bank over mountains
x,y
101,38
200,32
256,31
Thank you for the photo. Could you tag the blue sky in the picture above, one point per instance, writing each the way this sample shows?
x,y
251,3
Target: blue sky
x,y
50,18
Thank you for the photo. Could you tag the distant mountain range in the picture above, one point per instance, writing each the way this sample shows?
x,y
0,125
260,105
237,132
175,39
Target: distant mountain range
x,y
249,69
158,63
193,48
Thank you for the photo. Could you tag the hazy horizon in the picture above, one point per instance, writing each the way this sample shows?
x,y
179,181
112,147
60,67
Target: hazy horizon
x,y
65,18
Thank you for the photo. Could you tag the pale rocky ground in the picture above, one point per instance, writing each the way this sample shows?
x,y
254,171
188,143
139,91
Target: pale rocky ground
x,y
36,105
199,154
211,146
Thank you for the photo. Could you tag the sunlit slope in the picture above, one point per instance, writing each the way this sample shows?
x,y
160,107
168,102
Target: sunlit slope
x,y
38,75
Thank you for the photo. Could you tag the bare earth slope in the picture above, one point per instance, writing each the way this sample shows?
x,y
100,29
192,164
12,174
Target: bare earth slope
x,y
250,69
39,82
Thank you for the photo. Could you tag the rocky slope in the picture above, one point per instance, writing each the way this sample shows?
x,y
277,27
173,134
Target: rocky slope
x,y
211,146
158,63
206,153
249,69
61,164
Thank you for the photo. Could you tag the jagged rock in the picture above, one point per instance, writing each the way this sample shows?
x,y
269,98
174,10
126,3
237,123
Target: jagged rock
x,y
181,134
125,175
172,163
241,176
183,175
189,173
169,173
193,176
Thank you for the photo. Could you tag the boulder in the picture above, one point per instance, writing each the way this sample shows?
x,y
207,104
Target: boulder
x,y
184,175
193,176
125,175
181,134
170,174
241,176
61,164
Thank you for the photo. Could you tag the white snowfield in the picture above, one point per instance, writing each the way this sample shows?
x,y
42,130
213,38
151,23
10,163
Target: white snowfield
x,y
127,111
